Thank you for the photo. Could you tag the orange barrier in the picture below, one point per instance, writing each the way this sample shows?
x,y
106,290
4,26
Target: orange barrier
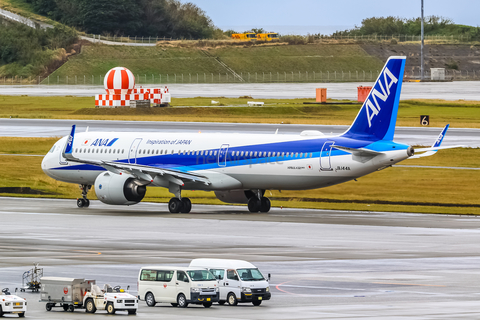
x,y
363,93
321,95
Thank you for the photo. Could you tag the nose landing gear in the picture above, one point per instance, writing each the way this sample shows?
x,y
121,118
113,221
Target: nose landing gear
x,y
83,202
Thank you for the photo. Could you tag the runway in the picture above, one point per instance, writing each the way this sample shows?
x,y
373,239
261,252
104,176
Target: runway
x,y
324,264
58,128
467,90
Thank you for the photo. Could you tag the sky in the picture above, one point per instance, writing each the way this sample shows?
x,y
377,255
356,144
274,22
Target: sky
x,y
327,16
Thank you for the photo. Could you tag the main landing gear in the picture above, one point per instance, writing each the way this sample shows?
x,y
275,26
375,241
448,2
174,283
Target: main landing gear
x,y
83,202
176,205
259,203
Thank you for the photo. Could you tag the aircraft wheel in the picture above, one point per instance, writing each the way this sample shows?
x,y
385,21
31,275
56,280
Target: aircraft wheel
x,y
265,205
80,202
174,205
253,204
87,203
186,205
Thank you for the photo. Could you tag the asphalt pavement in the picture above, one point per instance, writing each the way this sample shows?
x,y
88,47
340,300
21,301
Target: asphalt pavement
x,y
324,264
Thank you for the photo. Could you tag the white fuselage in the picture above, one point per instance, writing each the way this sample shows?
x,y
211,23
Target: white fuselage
x,y
229,161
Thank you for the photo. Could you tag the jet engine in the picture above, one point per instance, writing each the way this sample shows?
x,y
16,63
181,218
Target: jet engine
x,y
234,196
119,189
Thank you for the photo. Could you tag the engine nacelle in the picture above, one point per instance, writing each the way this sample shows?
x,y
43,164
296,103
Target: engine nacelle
x,y
234,196
119,189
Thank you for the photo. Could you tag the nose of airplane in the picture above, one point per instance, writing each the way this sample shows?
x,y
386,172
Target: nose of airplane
x,y
47,164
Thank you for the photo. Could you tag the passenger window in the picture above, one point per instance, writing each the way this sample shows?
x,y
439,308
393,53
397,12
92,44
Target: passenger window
x,y
148,275
218,273
215,153
232,275
164,276
255,154
301,155
182,276
269,154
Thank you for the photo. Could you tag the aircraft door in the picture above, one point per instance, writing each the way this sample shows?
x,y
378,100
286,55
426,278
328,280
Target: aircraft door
x,y
325,156
61,159
132,152
222,155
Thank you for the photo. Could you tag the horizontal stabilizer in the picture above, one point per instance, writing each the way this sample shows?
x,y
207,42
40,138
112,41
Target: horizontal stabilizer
x,y
358,152
425,152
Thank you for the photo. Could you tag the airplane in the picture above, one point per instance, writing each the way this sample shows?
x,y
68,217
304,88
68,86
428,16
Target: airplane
x,y
239,168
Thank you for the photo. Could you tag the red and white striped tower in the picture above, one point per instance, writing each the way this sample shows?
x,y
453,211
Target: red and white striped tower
x,y
119,80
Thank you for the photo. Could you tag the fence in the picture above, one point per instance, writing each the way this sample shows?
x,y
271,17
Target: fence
x,y
401,38
127,39
247,77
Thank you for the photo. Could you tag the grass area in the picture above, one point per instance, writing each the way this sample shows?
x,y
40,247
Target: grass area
x,y
460,114
395,189
98,59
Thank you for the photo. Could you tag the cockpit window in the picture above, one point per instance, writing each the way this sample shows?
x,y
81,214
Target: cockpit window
x,y
51,150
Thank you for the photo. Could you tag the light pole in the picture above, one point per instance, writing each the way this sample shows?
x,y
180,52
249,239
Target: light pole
x,y
421,47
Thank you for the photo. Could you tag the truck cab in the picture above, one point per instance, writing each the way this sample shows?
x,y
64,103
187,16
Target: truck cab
x,y
12,304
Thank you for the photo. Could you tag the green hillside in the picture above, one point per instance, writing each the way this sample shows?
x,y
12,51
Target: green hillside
x,y
153,62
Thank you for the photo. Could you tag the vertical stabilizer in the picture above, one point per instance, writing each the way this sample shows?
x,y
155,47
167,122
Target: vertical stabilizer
x,y
378,115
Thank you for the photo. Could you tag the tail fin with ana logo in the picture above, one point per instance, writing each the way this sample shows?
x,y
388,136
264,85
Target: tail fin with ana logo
x,y
378,115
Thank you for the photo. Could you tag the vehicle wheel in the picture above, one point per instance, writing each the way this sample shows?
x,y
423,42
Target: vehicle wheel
x,y
265,205
90,306
256,303
182,301
80,203
174,304
65,307
110,308
87,203
132,311
48,307
1,311
21,315
207,304
221,302
186,205
174,205
150,299
232,299
71,308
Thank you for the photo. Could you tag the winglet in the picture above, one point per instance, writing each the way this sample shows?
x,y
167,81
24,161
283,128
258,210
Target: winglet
x,y
69,145
439,140
435,146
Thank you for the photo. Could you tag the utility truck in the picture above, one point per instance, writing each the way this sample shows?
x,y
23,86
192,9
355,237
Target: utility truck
x,y
71,294
12,304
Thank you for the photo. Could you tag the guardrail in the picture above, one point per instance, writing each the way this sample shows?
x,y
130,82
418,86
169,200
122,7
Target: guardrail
x,y
248,77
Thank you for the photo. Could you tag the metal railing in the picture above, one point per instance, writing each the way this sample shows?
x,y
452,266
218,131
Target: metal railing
x,y
401,38
248,77
127,39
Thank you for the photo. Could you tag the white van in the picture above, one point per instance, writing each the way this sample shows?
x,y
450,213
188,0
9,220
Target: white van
x,y
177,285
239,281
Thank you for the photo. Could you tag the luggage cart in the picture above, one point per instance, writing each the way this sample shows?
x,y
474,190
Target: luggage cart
x,y
30,279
